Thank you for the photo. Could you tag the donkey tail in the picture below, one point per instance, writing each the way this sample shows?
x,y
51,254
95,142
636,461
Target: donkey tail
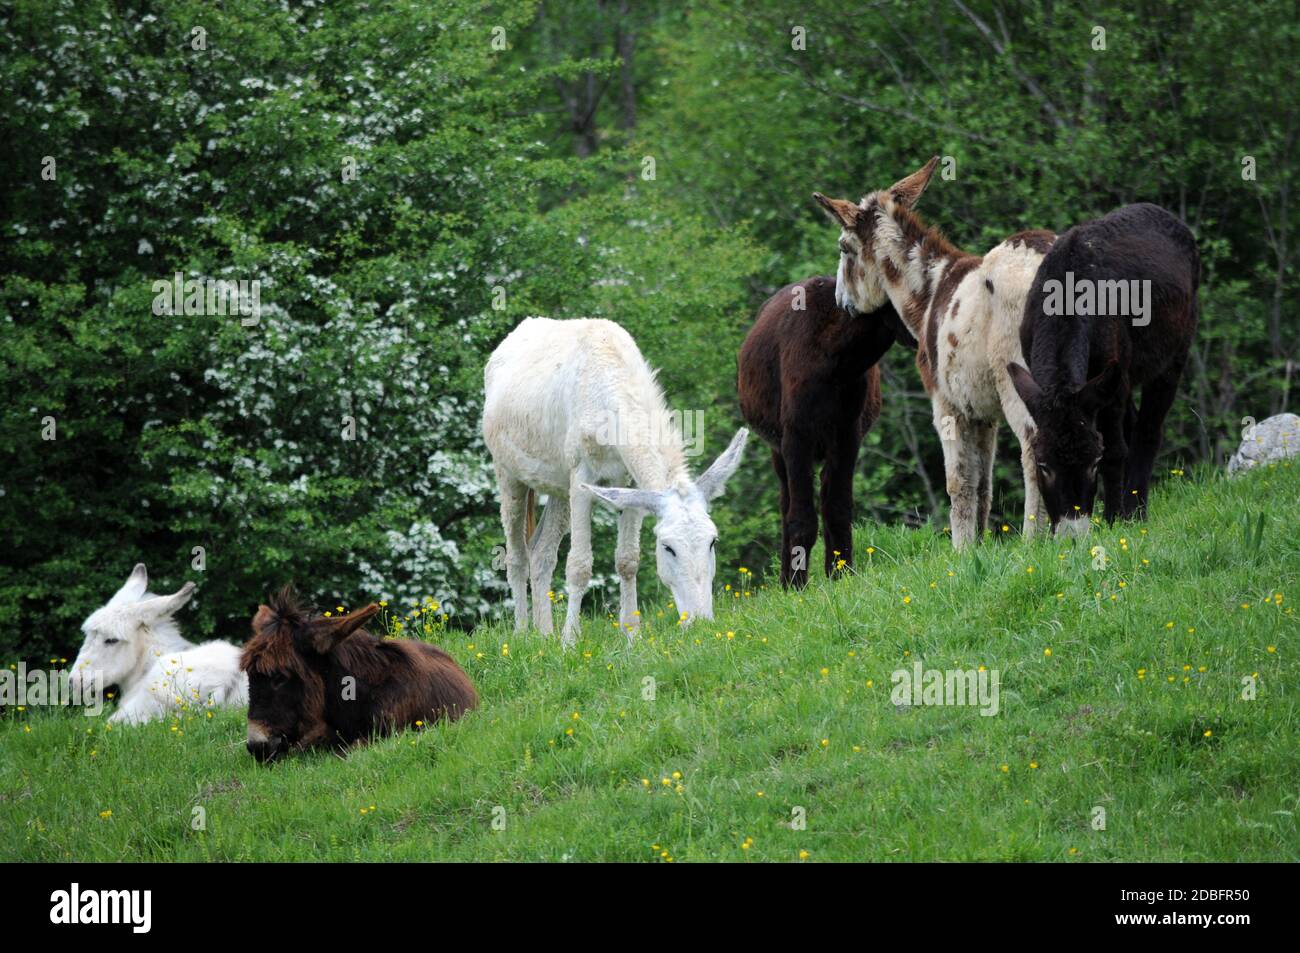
x,y
530,513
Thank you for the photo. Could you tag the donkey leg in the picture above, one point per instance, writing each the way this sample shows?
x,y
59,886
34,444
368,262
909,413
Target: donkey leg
x,y
543,553
1157,397
627,559
986,441
577,568
1036,517
1130,420
779,466
956,437
966,507
513,503
1112,423
837,504
1017,415
801,516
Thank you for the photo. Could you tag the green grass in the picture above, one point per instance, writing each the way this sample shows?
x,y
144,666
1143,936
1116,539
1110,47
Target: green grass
x,y
784,702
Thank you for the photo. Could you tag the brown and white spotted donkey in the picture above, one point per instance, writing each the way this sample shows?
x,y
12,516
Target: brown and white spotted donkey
x,y
964,312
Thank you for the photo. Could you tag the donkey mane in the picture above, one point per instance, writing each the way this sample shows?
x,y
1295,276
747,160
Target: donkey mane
x,y
362,654
915,231
271,647
644,399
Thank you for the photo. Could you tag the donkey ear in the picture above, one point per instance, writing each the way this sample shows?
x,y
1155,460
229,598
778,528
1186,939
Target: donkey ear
x,y
133,588
842,213
713,481
1026,387
262,618
327,633
622,499
1099,391
161,607
907,192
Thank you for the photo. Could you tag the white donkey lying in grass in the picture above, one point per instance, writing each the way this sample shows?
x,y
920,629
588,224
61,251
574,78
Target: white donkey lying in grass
x,y
133,642
572,403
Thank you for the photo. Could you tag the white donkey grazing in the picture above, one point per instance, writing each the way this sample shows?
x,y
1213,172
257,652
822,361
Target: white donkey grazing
x,y
133,642
572,403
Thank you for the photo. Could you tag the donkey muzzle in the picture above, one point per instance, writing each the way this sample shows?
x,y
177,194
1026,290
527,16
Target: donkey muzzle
x,y
1077,526
264,745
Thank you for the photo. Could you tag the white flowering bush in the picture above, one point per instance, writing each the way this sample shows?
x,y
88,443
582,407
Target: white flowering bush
x,y
380,174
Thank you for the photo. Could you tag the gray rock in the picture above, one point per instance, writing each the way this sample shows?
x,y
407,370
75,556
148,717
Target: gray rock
x,y
1267,441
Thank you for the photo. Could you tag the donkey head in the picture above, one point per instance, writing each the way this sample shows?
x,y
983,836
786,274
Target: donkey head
x,y
860,282
120,634
685,538
288,661
1066,444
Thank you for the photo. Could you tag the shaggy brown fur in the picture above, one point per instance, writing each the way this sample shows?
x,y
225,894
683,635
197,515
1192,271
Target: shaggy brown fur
x,y
1084,369
317,680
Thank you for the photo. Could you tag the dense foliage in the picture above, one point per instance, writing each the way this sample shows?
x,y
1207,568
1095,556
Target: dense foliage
x,y
406,179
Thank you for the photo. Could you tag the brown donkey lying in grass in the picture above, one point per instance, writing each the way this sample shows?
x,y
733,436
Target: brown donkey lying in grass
x,y
320,681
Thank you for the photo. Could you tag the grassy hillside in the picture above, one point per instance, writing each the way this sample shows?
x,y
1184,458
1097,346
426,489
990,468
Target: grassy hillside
x,y
1121,688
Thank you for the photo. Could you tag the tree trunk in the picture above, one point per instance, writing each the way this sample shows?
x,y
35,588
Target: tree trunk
x,y
625,46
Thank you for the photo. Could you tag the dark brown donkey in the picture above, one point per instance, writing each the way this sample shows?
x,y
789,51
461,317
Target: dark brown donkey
x,y
809,385
1112,309
319,681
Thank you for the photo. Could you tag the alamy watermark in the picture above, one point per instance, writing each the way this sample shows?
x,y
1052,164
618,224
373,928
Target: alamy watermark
x,y
210,296
937,687
653,430
22,687
133,908
1087,297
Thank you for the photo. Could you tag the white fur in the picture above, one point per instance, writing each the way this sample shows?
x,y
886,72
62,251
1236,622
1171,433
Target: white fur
x,y
972,386
561,399
133,642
